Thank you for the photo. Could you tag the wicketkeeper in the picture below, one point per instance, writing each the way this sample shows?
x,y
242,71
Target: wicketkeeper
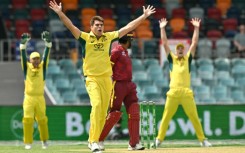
x,y
34,105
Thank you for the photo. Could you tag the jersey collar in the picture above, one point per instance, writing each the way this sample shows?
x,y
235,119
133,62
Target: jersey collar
x,y
93,35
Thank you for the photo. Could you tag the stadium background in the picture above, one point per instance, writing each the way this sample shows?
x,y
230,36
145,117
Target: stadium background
x,y
217,74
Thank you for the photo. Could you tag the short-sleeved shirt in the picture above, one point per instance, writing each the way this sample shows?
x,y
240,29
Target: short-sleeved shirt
x,y
122,65
35,77
240,38
96,53
180,70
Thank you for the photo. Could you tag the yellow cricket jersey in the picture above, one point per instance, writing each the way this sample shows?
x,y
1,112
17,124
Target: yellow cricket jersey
x,y
96,53
180,70
34,77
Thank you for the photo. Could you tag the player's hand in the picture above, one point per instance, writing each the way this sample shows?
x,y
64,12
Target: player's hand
x,y
25,37
196,22
46,36
240,48
149,10
55,7
163,22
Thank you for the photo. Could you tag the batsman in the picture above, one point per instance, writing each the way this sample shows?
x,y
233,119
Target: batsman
x,y
34,105
124,91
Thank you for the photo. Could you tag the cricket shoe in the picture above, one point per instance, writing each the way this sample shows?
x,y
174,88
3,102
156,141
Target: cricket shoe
x,y
89,146
137,147
94,147
44,145
156,144
101,145
205,143
28,146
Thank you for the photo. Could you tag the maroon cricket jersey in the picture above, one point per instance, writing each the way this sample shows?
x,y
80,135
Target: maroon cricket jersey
x,y
122,68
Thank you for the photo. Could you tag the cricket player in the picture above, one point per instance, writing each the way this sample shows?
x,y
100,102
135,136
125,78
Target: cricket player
x,y
124,91
34,105
96,64
180,92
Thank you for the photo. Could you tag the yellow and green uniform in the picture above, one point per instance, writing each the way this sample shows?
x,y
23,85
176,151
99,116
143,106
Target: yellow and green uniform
x,y
180,93
34,105
98,71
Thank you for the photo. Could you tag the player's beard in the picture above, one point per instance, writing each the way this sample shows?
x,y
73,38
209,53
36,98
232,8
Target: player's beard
x,y
129,44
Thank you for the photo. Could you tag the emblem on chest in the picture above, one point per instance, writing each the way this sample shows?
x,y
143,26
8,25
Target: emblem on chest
x,y
99,47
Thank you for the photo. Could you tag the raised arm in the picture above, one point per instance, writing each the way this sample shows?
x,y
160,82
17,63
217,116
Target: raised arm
x,y
133,24
66,21
48,44
25,37
162,24
196,23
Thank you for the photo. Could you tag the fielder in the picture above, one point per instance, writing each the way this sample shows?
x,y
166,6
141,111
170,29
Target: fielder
x,y
34,105
97,66
124,91
180,78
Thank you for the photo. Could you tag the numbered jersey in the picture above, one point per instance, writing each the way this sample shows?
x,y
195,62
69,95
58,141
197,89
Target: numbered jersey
x,y
34,77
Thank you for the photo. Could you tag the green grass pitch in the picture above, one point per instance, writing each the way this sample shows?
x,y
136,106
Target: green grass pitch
x,y
121,147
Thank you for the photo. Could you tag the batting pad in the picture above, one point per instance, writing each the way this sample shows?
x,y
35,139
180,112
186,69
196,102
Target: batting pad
x,y
111,120
43,129
133,124
28,130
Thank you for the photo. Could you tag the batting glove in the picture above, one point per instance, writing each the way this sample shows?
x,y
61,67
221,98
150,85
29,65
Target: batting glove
x,y
47,38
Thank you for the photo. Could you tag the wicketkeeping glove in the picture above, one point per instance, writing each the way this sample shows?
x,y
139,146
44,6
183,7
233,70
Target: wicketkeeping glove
x,y
47,38
25,37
